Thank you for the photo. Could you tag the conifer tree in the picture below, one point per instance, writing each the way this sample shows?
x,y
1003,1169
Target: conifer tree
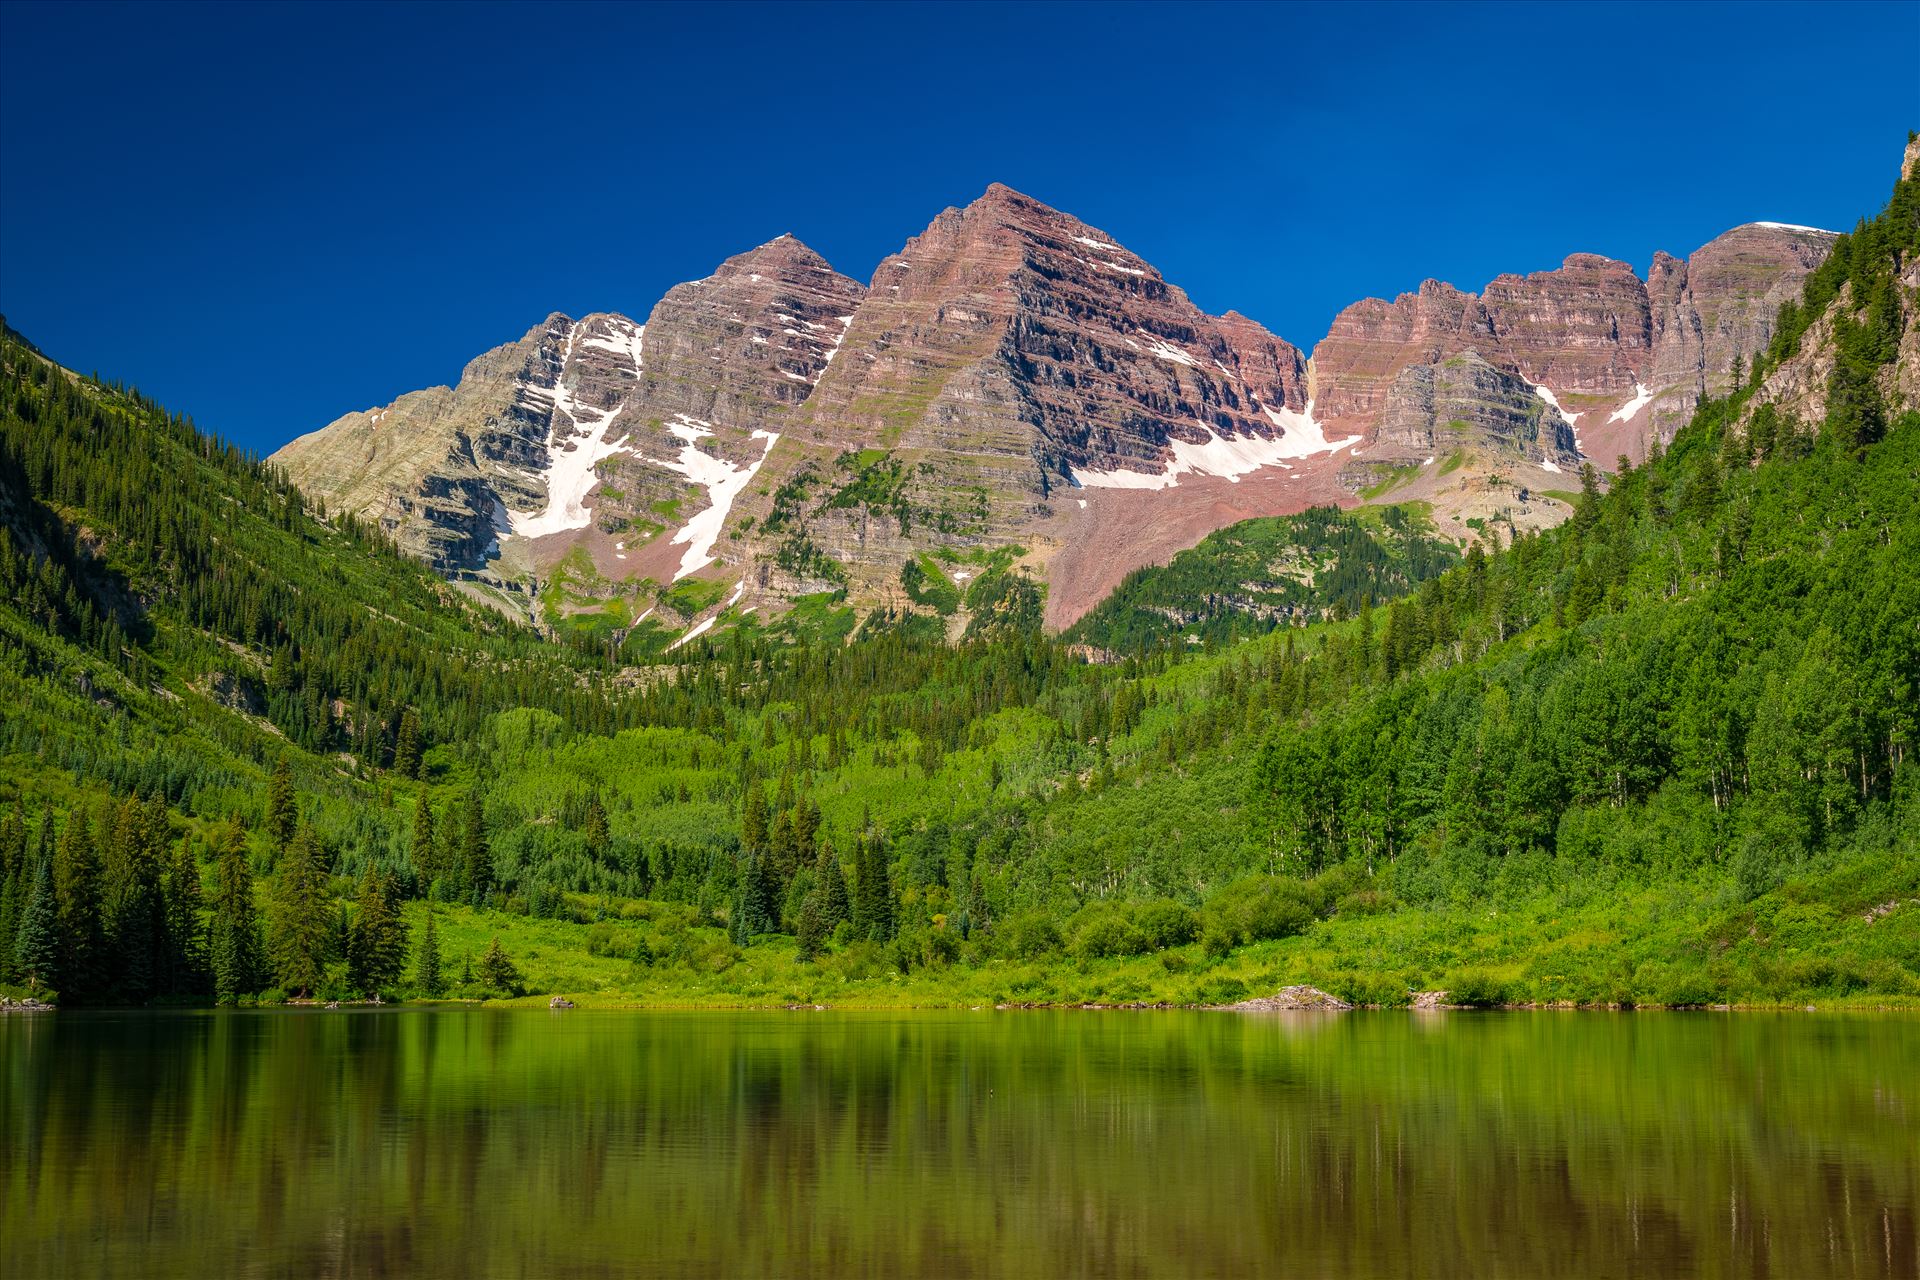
x,y
427,975
185,949
377,939
753,819
36,952
77,890
831,884
406,745
234,947
811,930
301,920
283,812
14,884
755,906
423,853
497,971
475,856
872,890
597,833
135,908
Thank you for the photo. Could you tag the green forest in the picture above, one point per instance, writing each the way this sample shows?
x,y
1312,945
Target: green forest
x,y
1659,755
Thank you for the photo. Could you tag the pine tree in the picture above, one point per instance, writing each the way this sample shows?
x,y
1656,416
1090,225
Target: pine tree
x,y
36,952
597,833
426,972
283,812
301,920
77,889
831,884
475,857
755,908
135,908
423,853
872,891
235,948
811,931
406,745
753,819
377,939
185,947
497,972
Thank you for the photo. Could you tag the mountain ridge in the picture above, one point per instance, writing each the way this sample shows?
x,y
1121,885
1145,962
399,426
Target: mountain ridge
x,y
1015,378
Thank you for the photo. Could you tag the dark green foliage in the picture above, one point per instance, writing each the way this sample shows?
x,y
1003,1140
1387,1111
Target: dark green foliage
x,y
831,885
755,909
497,971
85,965
283,811
407,746
873,905
476,854
236,952
36,947
300,921
427,973
377,937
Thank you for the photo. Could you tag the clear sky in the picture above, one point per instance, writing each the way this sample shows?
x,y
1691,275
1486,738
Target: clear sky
x,y
265,215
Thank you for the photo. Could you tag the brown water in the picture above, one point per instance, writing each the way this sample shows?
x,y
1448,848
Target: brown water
x,y
528,1143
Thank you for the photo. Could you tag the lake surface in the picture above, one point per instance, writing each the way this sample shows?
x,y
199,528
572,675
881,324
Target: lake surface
x,y
526,1143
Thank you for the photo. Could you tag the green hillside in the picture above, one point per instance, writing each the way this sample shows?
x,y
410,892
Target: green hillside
x,y
1249,578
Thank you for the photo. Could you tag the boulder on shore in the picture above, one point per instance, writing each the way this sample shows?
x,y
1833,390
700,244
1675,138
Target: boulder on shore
x,y
560,1002
1291,998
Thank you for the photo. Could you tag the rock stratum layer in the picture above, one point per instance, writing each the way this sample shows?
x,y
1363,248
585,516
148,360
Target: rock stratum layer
x,y
1014,386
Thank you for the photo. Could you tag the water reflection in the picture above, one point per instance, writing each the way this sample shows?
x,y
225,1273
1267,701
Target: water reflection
x,y
476,1143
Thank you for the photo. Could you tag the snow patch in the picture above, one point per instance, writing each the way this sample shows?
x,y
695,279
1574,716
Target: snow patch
x,y
1547,465
1553,402
1091,243
846,322
1166,352
961,575
721,479
1641,398
1791,226
573,452
1229,457
698,628
622,339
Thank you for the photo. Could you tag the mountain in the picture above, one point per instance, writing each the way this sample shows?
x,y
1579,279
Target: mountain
x,y
1014,391
1660,752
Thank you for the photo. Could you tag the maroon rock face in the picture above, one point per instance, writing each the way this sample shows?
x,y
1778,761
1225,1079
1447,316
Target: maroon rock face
x,y
1011,330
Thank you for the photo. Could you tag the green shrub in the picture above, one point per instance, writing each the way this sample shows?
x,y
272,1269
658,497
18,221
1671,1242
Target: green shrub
x,y
1259,908
1478,988
1166,923
1384,990
1676,984
1028,935
1105,929
1220,990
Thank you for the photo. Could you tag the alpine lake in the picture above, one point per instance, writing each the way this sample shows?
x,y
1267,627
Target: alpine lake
x,y
600,1143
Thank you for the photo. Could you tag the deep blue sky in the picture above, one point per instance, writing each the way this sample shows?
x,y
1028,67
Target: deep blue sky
x,y
267,215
